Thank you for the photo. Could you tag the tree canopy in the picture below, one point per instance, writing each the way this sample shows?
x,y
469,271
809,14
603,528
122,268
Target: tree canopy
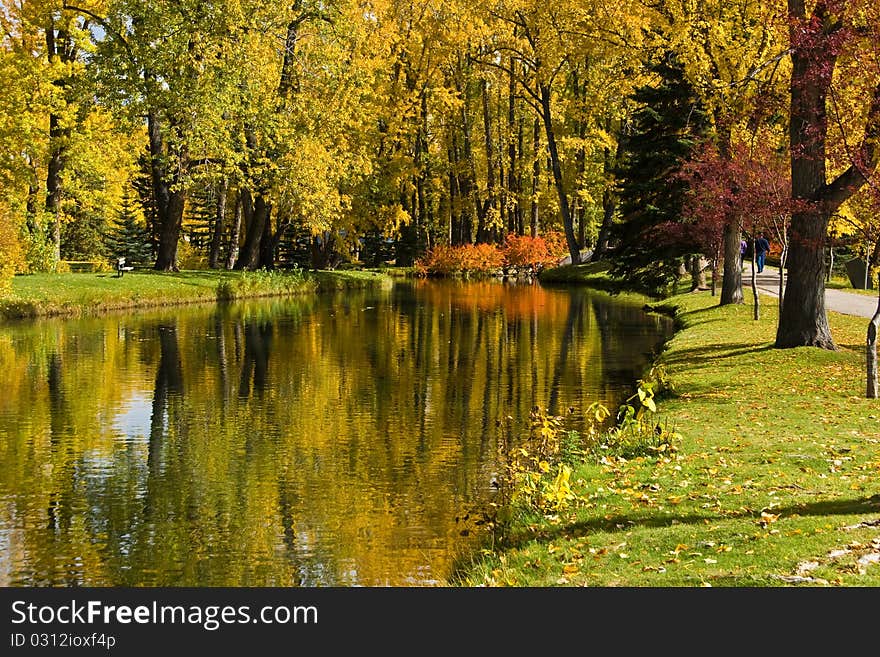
x,y
318,132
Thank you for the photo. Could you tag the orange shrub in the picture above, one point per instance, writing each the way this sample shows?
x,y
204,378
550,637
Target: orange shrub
x,y
523,251
445,260
517,251
482,258
557,247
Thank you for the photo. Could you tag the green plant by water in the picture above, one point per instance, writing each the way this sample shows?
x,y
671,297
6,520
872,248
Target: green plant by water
x,y
538,472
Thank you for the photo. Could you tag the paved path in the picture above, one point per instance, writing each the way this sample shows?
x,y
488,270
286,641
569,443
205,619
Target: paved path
x,y
847,303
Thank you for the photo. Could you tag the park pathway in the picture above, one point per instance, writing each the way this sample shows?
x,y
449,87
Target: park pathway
x,y
847,303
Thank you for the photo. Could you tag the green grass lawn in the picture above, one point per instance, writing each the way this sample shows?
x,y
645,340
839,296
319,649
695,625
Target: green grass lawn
x,y
775,481
73,294
843,283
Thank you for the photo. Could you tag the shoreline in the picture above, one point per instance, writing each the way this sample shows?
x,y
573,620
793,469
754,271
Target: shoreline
x,y
74,295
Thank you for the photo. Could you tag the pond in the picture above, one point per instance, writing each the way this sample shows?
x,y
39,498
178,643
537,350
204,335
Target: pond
x,y
335,440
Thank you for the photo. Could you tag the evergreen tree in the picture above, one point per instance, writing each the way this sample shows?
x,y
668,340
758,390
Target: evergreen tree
x,y
143,186
664,130
200,216
129,238
83,238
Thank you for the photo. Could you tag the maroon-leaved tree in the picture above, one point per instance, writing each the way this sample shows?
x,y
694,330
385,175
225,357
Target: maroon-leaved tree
x,y
747,187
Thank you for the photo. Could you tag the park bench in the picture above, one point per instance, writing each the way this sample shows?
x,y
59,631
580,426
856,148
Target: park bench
x,y
121,268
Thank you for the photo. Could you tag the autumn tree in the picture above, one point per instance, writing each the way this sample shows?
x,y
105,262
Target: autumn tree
x,y
749,184
536,44
834,53
732,53
66,159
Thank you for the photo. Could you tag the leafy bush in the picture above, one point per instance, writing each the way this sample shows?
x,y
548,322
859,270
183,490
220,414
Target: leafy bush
x,y
445,260
517,251
39,254
537,472
526,251
557,247
11,255
190,257
535,476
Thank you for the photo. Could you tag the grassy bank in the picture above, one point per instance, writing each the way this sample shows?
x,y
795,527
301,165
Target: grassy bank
x,y
43,295
772,480
592,274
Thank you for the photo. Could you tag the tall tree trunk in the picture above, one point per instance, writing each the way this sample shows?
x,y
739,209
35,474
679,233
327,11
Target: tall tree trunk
x,y
59,50
258,215
756,315
731,283
518,181
471,174
270,242
803,321
580,159
871,350
466,194
484,230
420,217
609,197
536,177
170,199
556,167
235,233
58,137
219,224
454,210
514,211
266,259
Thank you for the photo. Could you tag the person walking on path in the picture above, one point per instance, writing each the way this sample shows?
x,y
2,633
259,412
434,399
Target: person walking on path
x,y
762,246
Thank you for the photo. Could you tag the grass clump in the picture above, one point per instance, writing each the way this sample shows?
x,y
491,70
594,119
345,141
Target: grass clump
x,y
264,283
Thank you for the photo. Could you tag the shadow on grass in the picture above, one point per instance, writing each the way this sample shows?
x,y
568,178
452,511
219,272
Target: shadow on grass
x,y
716,352
852,347
625,522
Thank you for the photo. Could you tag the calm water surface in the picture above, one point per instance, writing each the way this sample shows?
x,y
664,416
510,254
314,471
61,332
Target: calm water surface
x,y
334,440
